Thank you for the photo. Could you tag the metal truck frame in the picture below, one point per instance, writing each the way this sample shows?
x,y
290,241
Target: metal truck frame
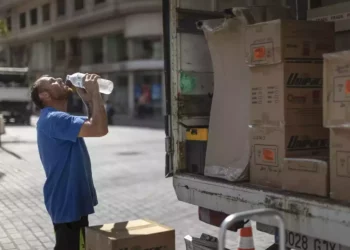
x,y
326,221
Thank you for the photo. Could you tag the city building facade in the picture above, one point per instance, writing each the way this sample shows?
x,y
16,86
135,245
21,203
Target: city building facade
x,y
118,39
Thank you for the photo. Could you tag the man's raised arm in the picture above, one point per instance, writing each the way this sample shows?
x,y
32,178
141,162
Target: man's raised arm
x,y
97,123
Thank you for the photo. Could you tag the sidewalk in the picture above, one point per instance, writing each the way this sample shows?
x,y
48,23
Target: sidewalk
x,y
128,171
156,123
24,223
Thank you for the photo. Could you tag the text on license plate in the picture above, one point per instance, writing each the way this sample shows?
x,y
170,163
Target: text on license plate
x,y
303,242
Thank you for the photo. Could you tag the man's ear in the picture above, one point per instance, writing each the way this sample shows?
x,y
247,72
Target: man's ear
x,y
44,96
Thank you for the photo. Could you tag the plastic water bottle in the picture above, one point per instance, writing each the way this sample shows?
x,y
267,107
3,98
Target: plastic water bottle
x,y
106,86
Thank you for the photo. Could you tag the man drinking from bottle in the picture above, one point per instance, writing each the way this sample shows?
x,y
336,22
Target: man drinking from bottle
x,y
69,190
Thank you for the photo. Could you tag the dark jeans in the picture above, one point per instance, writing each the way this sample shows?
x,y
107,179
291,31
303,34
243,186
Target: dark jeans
x,y
71,236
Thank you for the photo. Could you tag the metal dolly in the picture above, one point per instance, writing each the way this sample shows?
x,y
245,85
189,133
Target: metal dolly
x,y
234,218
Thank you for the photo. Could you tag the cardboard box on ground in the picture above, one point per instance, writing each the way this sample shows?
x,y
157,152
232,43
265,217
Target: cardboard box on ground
x,y
287,138
131,235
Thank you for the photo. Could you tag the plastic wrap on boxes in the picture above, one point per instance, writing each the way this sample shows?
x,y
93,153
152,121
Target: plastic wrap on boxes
x,y
228,149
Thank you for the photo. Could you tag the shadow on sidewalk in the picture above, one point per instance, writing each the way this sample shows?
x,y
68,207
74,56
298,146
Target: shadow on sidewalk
x,y
10,153
18,142
2,175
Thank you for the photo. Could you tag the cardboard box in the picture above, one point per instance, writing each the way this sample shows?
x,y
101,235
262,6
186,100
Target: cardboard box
x,y
271,145
279,40
340,164
287,94
336,89
303,175
138,234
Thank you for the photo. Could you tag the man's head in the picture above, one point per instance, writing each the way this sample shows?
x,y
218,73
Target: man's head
x,y
50,91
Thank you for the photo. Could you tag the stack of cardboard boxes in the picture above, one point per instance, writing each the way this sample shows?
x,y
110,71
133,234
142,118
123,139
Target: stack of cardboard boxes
x,y
290,147
336,116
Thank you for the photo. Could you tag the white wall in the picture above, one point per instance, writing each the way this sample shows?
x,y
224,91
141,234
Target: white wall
x,y
149,24
101,28
40,56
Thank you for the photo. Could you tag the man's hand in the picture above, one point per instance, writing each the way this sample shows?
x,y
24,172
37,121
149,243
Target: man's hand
x,y
91,88
90,84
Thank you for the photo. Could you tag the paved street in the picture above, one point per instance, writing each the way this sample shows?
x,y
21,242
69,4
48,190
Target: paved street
x,y
128,168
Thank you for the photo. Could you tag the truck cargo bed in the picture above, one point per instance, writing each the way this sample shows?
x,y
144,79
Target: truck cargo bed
x,y
313,216
189,94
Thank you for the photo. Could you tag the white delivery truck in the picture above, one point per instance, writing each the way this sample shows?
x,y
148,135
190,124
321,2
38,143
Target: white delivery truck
x,y
311,222
15,103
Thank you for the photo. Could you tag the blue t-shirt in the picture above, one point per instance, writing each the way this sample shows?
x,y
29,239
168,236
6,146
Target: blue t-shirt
x,y
69,191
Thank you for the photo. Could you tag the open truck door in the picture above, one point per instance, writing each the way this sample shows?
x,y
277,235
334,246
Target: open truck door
x,y
167,69
312,222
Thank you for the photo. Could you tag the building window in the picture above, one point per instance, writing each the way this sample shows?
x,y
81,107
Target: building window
x,y
46,12
75,45
148,93
60,50
147,48
96,46
22,20
3,59
9,23
75,55
61,7
19,56
33,16
118,99
117,48
79,4
99,1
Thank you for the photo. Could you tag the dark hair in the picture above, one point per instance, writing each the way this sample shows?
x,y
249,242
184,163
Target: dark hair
x,y
35,96
35,91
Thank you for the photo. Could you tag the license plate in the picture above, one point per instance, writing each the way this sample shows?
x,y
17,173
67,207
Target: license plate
x,y
303,242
